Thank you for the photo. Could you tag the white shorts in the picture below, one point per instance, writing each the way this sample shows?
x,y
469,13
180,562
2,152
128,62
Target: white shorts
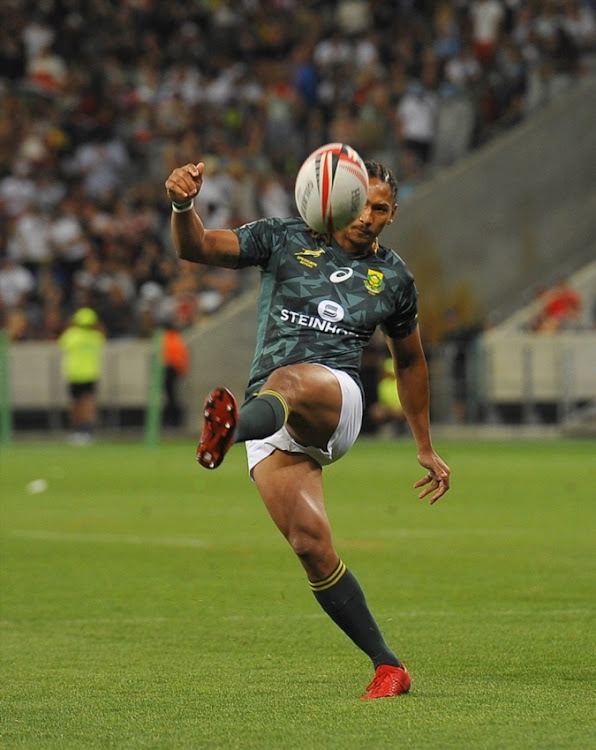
x,y
344,437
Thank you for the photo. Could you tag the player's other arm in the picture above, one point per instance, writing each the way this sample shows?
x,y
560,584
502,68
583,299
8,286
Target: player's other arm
x,y
214,247
411,372
412,385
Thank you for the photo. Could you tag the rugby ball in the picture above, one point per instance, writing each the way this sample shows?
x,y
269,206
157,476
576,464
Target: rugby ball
x,y
331,187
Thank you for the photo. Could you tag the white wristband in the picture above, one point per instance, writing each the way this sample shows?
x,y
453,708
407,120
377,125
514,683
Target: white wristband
x,y
182,208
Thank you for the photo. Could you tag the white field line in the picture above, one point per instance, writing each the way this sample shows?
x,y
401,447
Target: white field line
x,y
291,617
58,536
195,543
389,616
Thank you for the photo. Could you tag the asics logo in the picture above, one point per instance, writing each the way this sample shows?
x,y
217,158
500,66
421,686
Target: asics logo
x,y
342,274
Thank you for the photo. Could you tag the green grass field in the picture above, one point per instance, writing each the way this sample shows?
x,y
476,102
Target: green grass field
x,y
147,603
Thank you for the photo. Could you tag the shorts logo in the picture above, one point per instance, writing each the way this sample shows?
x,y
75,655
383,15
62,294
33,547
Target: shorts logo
x,y
375,282
306,257
330,310
342,274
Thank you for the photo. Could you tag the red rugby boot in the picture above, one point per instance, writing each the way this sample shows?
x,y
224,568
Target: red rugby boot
x,y
220,415
388,682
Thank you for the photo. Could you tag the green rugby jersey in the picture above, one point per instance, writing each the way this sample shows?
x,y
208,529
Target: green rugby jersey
x,y
319,304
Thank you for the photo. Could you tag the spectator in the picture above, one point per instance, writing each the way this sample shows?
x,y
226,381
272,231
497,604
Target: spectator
x,y
446,44
52,322
417,117
17,189
101,164
562,309
17,325
353,16
176,359
82,345
274,198
31,242
579,22
117,312
48,315
148,312
387,411
332,50
457,341
463,69
487,18
69,242
46,71
16,284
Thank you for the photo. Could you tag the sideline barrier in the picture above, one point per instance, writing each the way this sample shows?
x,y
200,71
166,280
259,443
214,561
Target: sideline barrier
x,y
529,369
36,381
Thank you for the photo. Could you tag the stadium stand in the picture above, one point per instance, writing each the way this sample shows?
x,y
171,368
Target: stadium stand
x,y
100,99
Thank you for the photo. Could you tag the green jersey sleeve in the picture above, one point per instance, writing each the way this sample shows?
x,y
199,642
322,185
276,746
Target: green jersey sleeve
x,y
257,239
403,321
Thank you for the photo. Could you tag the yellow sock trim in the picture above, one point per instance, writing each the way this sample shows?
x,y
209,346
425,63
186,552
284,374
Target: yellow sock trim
x,y
280,398
331,580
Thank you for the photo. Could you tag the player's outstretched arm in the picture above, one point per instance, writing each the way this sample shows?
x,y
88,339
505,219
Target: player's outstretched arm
x,y
214,247
412,383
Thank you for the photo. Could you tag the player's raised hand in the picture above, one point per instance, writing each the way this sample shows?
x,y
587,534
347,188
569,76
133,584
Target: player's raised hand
x,y
185,182
437,478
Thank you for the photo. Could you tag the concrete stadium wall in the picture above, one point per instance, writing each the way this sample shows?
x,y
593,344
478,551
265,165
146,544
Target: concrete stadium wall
x,y
221,354
36,381
517,367
523,367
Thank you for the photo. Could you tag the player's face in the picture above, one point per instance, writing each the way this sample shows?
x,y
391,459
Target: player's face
x,y
379,211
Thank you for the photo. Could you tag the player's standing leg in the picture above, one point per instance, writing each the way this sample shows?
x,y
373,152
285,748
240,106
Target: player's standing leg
x,y
292,490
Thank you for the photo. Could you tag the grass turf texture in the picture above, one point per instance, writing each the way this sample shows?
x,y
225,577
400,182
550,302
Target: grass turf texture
x,y
147,603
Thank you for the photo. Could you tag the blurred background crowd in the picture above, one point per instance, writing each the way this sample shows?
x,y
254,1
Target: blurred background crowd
x,y
101,99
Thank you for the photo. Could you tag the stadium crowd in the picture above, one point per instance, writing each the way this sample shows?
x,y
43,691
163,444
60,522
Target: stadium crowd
x,y
99,99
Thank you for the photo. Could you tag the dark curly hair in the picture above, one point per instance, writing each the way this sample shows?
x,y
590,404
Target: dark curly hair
x,y
383,174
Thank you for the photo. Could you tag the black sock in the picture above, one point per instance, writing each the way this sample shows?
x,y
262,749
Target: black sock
x,y
343,600
261,416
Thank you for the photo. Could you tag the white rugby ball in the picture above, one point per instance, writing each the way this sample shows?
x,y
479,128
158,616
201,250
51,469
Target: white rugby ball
x,y
331,187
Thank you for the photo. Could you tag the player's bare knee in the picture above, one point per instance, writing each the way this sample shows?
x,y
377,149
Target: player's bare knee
x,y
308,544
306,387
301,542
286,381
